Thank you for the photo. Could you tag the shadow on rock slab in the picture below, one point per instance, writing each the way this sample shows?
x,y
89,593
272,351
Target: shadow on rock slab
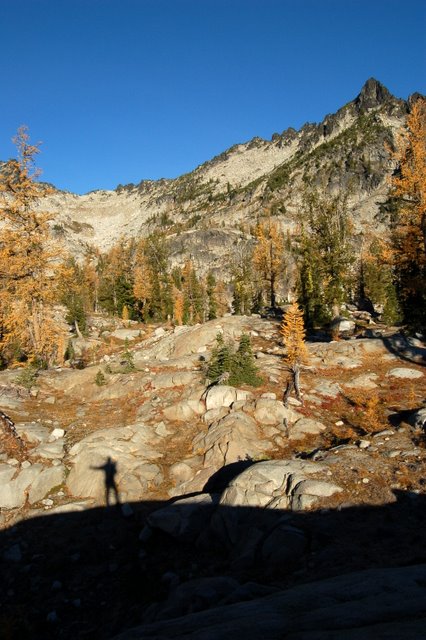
x,y
264,572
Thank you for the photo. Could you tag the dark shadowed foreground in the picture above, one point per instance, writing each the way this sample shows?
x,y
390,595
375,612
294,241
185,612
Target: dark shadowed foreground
x,y
219,572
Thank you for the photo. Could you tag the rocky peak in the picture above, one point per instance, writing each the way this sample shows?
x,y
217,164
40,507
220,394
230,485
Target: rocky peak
x,y
373,94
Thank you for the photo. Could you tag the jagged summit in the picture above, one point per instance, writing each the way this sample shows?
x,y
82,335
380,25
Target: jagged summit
x,y
372,95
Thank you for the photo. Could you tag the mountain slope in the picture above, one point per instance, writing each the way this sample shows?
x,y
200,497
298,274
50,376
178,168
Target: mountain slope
x,y
347,151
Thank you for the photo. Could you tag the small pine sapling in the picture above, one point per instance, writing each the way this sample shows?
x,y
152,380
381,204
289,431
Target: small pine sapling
x,y
220,361
293,335
100,379
243,368
127,356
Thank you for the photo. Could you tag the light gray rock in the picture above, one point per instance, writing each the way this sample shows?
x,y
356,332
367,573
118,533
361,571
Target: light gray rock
x,y
180,472
50,450
223,396
304,427
126,334
306,493
174,379
404,372
234,437
13,493
278,484
418,418
56,434
130,448
45,482
327,388
185,410
33,432
273,412
365,381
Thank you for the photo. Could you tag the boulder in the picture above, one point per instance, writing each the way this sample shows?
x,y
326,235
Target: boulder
x,y
126,334
234,437
405,372
45,482
304,427
184,518
13,492
272,412
277,484
366,381
130,449
223,396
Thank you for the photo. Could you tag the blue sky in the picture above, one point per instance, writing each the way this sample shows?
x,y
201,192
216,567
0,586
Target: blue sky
x,y
124,90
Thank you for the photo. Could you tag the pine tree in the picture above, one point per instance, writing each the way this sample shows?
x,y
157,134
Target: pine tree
x,y
243,369
293,334
220,361
325,257
28,261
211,296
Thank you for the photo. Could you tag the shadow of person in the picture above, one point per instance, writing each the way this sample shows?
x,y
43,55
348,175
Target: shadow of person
x,y
110,471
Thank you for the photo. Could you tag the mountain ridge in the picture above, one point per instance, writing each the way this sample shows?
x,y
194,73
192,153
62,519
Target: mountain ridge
x,y
346,152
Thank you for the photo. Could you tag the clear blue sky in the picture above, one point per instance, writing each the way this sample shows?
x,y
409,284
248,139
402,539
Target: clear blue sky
x,y
122,90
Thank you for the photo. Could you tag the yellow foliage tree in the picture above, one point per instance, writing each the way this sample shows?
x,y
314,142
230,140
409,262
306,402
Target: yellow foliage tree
x,y
268,255
292,330
28,261
178,305
409,187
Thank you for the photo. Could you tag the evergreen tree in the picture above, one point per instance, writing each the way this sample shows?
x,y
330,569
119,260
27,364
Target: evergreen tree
x,y
243,369
220,361
211,296
325,258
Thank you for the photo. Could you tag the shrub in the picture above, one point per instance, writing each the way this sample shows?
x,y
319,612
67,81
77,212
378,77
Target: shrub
x,y
100,379
27,377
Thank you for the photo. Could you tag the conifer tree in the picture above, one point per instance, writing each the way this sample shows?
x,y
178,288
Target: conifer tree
x,y
293,335
211,296
243,369
28,261
325,258
268,255
178,307
220,361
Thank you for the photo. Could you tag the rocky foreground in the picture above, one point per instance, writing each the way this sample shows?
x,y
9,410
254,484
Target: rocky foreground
x,y
236,514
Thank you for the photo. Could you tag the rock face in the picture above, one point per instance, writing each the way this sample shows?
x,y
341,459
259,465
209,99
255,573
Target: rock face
x,y
130,449
373,604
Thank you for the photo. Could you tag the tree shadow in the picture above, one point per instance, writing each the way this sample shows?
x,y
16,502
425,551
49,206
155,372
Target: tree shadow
x,y
399,345
94,573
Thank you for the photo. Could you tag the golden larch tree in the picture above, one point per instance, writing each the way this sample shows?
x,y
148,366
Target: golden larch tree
x,y
268,255
293,334
28,261
409,188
